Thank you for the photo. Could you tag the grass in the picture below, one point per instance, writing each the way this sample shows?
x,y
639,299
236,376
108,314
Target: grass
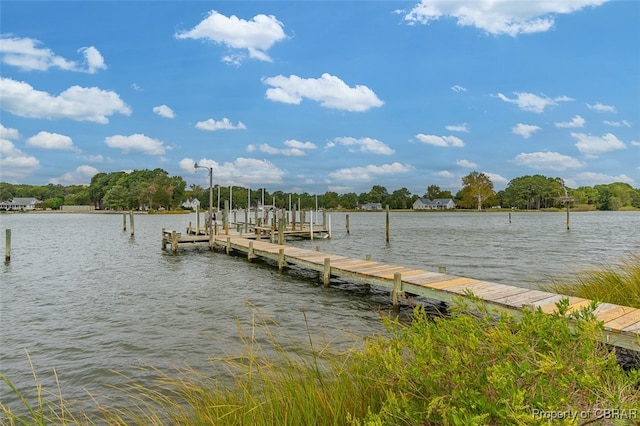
x,y
475,368
617,283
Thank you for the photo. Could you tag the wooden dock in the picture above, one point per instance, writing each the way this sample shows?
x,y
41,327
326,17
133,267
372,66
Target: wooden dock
x,y
621,323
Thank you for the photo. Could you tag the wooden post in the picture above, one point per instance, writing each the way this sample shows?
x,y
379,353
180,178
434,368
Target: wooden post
x,y
568,220
124,221
246,220
281,259
164,240
174,242
509,217
212,239
225,216
197,220
131,222
250,254
281,226
442,269
7,245
326,272
387,227
311,227
397,294
317,248
367,257
348,224
324,219
293,219
228,248
329,223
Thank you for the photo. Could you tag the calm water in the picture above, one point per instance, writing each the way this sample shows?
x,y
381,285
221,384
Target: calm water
x,y
88,300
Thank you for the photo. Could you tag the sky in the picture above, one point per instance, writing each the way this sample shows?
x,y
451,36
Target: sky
x,y
317,96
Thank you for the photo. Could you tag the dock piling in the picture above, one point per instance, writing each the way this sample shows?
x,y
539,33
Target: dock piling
x,y
281,259
7,245
387,226
397,294
326,273
131,222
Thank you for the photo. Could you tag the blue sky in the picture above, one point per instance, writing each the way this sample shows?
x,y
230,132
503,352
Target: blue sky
x,y
316,96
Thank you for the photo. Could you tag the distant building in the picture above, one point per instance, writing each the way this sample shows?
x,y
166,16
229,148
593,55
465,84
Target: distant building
x,y
437,204
371,206
191,203
20,204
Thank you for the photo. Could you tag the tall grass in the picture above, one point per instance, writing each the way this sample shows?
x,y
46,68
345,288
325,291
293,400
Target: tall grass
x,y
617,283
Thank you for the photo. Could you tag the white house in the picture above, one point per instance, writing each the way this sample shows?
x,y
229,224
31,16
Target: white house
x,y
19,203
191,203
436,204
371,206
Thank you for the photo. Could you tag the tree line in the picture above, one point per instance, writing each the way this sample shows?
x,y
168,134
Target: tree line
x,y
155,189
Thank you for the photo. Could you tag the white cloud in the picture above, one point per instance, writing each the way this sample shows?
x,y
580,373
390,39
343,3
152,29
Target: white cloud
x,y
8,133
458,89
547,161
136,143
164,111
94,158
224,124
602,108
624,123
363,145
497,179
257,36
329,90
576,121
445,174
48,140
366,174
26,54
242,171
80,176
592,146
76,103
592,179
14,163
534,103
440,140
524,130
498,16
467,164
294,148
458,128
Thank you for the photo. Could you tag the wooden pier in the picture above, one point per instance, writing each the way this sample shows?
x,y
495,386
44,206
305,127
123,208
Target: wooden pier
x,y
621,323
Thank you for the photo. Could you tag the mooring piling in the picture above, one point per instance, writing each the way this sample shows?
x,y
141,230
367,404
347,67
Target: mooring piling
x,y
7,245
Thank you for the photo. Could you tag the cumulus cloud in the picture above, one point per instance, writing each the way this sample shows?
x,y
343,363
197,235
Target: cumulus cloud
x,y
592,146
362,144
329,90
576,121
601,108
293,148
136,143
256,36
80,176
547,161
592,179
458,128
224,124
524,130
164,111
466,164
498,17
458,89
497,179
534,103
48,140
27,54
14,163
367,173
242,171
444,141
76,103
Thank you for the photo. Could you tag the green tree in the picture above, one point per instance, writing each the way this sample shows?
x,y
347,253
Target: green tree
x,y
476,187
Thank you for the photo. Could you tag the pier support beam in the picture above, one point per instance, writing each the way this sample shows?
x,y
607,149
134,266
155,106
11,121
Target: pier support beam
x,y
174,242
397,294
7,245
326,272
281,262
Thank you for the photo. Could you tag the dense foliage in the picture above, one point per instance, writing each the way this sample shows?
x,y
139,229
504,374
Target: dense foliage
x,y
154,189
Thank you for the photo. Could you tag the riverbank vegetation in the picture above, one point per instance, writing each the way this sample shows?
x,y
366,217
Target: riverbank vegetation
x,y
155,189
473,367
617,283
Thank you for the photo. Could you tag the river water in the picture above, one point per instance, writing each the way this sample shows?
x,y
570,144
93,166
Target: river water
x,y
93,303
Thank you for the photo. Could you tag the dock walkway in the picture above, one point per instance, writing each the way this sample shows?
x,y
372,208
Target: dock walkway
x,y
621,323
